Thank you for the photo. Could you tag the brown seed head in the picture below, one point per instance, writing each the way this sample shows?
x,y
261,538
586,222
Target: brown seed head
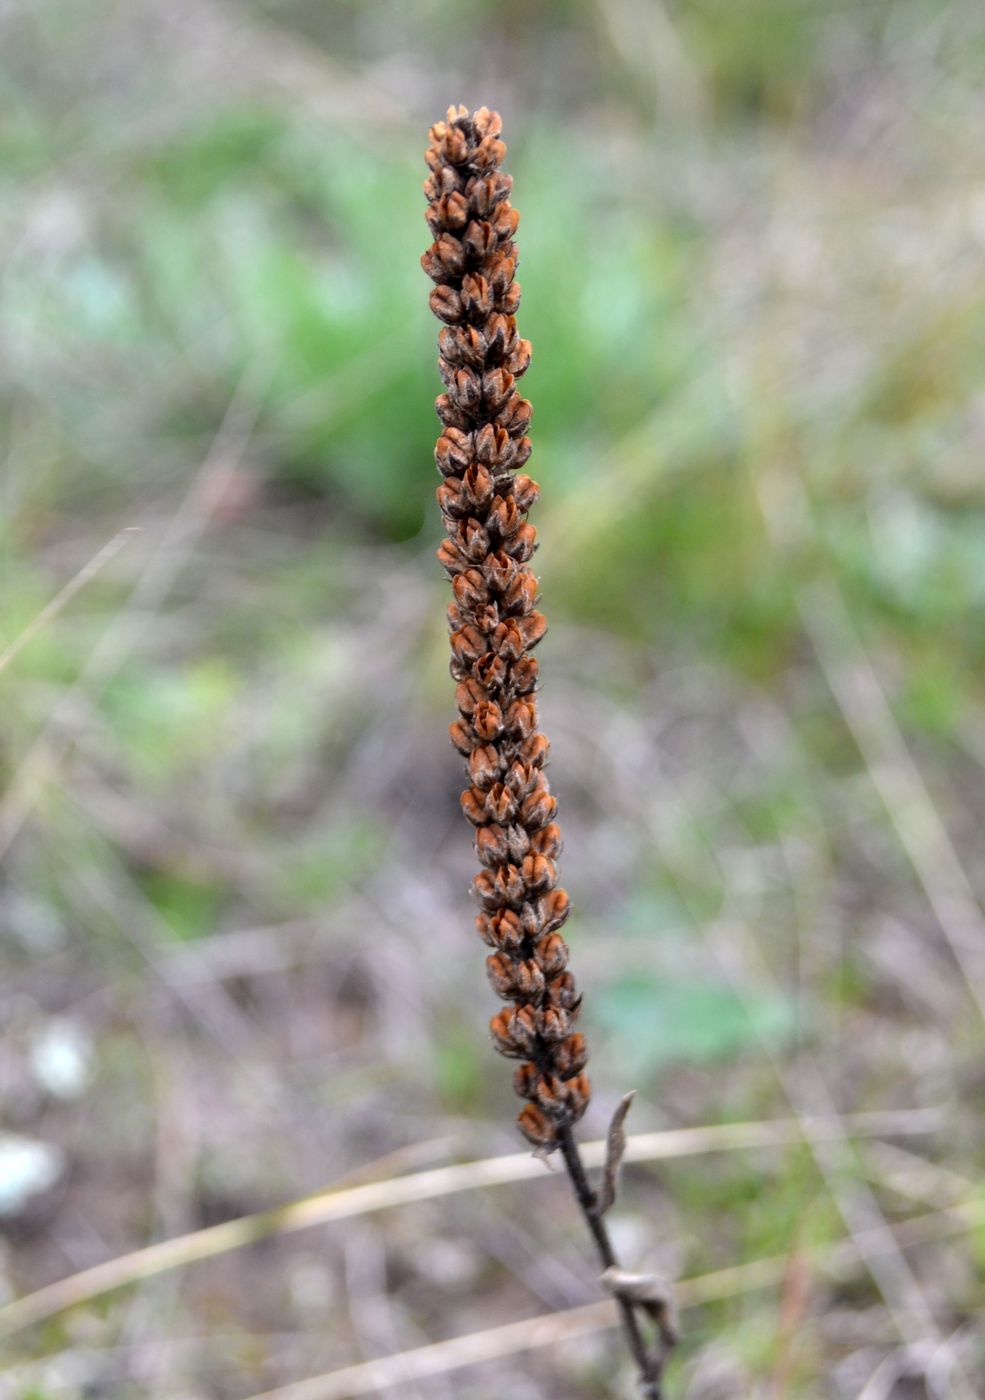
x,y
493,619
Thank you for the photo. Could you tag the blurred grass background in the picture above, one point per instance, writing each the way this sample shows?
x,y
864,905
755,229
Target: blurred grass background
x,y
236,941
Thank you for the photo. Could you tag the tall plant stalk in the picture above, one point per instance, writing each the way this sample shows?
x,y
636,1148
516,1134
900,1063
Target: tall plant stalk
x,y
494,623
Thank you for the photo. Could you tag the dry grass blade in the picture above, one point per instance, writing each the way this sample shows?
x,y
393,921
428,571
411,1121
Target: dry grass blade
x,y
865,708
345,1203
897,779
914,1177
65,595
854,1199
153,585
439,1358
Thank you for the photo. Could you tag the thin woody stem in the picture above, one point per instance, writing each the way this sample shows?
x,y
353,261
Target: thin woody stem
x,y
650,1365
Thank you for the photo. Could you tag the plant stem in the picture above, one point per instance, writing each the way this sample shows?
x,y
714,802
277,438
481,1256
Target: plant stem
x,y
650,1365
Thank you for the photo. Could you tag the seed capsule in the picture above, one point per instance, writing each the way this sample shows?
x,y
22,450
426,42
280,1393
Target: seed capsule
x,y
500,804
499,1029
488,720
534,750
536,1127
491,845
523,1028
525,1080
450,557
563,992
557,907
570,1056
452,452
462,737
548,841
485,766
537,810
446,303
473,805
553,1024
551,952
507,935
539,873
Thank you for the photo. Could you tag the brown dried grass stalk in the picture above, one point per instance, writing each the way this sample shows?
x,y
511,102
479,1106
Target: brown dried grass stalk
x,y
495,625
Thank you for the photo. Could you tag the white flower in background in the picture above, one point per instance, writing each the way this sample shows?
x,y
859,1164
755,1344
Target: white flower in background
x,y
27,1167
62,1058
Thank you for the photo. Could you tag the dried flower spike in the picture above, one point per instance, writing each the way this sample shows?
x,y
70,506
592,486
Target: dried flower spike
x,y
494,620
495,625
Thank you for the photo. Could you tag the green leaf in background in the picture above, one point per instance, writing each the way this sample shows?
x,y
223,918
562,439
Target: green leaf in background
x,y
655,1021
460,1068
188,907
978,1236
168,720
329,862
